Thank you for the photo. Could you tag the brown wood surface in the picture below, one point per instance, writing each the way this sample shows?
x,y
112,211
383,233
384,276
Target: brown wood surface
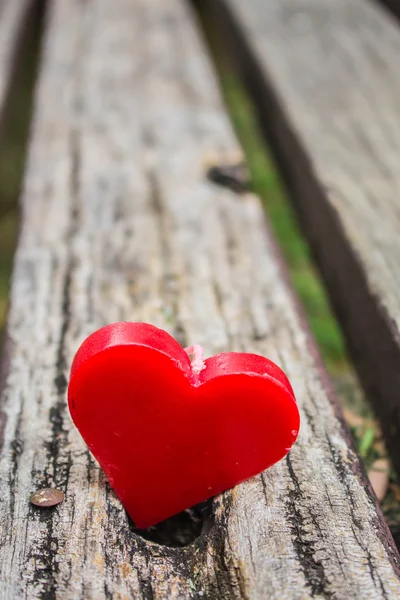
x,y
326,81
121,223
13,16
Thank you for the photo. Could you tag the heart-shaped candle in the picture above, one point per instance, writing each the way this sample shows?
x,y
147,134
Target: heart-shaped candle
x,y
170,432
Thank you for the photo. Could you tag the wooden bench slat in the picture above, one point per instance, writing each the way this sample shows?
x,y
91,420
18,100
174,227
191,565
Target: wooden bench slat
x,y
326,80
120,223
13,16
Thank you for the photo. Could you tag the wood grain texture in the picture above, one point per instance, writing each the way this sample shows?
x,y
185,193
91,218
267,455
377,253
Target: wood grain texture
x,y
13,16
326,81
120,223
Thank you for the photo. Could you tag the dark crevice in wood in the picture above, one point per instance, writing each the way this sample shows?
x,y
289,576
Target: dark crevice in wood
x,y
187,549
59,459
180,530
341,468
392,6
59,438
4,368
17,446
313,571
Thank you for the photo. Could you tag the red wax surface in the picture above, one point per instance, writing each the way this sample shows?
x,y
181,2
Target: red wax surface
x,y
168,435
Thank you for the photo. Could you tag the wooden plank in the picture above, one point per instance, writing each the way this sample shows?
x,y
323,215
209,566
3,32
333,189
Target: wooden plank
x,y
327,85
13,17
120,222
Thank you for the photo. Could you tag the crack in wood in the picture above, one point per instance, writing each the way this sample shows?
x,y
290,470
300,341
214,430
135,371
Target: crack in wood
x,y
313,570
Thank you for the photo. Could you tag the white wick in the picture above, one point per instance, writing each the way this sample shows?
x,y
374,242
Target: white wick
x,y
196,355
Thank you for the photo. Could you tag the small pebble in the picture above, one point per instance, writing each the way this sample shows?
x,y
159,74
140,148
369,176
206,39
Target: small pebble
x,y
47,497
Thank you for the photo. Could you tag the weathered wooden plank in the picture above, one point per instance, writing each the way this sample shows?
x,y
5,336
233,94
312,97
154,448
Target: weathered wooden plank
x,y
326,80
13,16
119,222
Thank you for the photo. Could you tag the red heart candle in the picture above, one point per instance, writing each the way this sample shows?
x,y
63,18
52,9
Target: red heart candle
x,y
170,432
